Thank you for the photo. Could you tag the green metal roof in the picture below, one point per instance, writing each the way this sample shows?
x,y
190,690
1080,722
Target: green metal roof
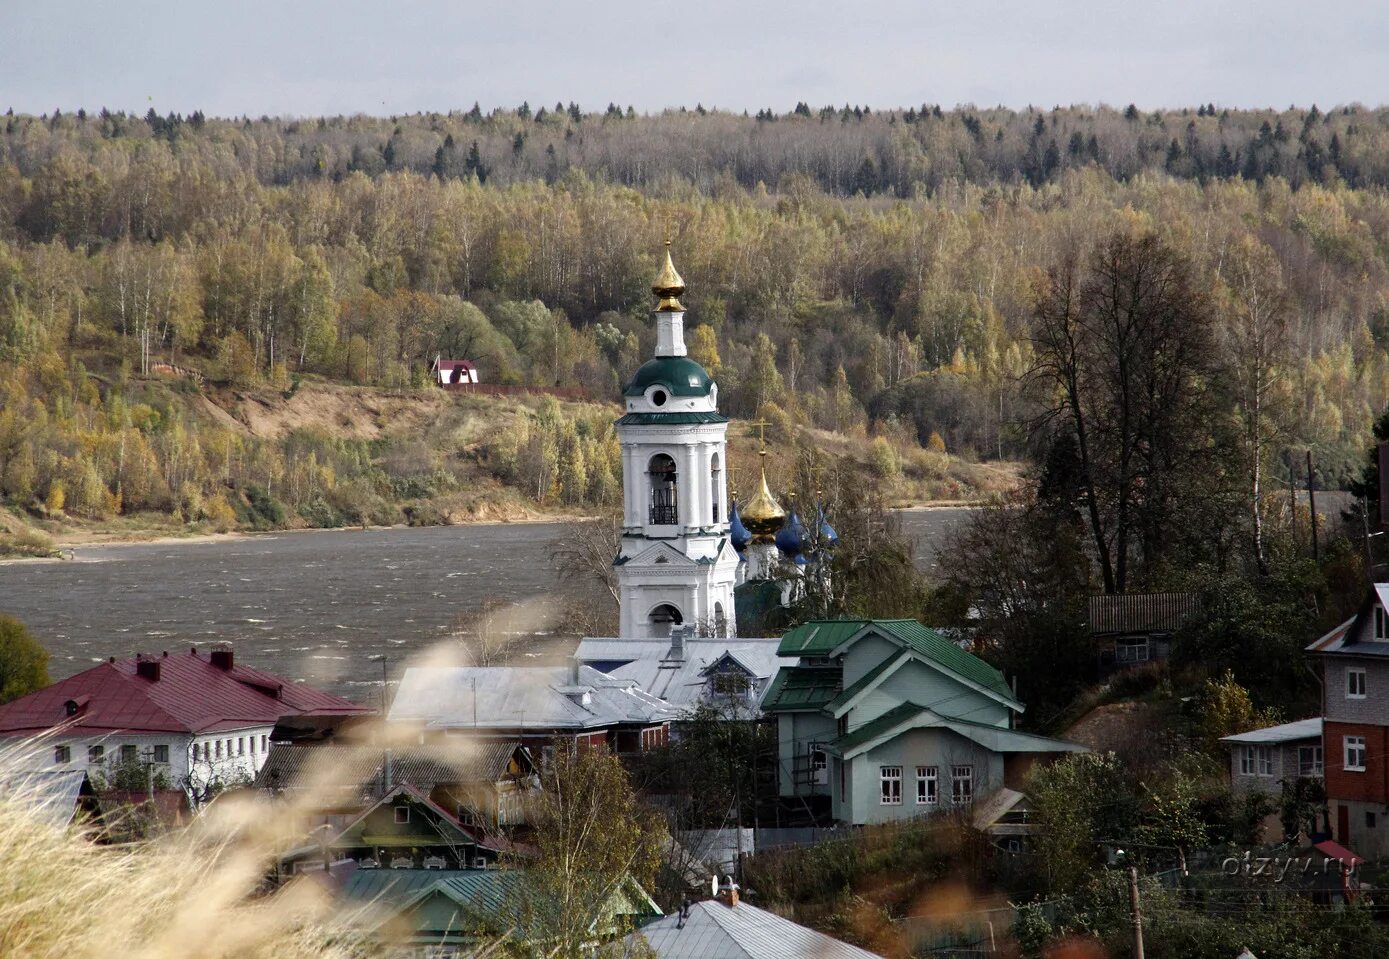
x,y
822,637
999,739
671,419
680,375
801,689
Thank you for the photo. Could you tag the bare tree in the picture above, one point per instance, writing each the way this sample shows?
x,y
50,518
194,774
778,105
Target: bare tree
x,y
585,552
486,633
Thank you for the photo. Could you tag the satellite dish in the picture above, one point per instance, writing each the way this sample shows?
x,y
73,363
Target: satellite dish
x,y
714,884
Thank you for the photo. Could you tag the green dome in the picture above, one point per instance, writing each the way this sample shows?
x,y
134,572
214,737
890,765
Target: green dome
x,y
680,375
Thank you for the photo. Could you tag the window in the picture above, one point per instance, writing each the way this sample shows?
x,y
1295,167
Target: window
x,y
715,486
466,816
926,786
1264,757
241,745
62,754
1381,623
962,784
96,755
264,743
1246,761
1354,753
661,474
161,753
891,785
819,763
402,814
253,745
1355,683
1131,650
1369,819
130,754
1309,761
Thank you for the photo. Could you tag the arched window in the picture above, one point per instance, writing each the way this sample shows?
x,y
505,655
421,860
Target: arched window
x,y
661,619
714,487
720,621
665,506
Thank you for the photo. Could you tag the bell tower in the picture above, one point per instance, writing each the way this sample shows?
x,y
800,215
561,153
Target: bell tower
x,y
675,565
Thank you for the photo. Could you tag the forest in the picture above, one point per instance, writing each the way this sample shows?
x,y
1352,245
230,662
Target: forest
x,y
878,274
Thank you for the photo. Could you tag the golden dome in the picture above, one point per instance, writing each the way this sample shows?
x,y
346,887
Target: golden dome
x,y
762,514
668,286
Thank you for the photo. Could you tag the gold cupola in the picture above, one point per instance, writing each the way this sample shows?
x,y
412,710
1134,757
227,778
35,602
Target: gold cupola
x,y
762,514
668,286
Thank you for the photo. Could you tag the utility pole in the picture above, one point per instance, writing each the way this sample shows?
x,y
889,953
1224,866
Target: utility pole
x,y
1137,911
1312,508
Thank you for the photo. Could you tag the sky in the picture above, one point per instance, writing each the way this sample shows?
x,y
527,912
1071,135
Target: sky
x,y
314,57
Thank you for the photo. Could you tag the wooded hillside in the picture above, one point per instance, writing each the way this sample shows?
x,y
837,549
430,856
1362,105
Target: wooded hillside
x,y
870,273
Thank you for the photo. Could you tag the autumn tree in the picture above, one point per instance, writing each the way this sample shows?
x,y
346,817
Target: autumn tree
x,y
23,662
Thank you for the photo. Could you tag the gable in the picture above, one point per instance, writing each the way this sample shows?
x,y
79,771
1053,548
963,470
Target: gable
x,y
659,555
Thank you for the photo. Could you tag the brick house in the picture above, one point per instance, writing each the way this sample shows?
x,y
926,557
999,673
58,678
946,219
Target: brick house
x,y
1355,732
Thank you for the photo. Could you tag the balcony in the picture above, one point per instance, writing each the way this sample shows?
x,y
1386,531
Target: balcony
x,y
662,515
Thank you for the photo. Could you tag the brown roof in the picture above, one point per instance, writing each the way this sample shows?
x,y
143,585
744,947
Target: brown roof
x,y
1142,612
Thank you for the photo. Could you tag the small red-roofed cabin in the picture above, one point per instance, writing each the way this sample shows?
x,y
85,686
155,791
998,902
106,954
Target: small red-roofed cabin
x,y
455,372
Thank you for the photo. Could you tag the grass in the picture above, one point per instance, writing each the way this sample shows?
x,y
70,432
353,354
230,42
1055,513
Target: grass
x,y
26,541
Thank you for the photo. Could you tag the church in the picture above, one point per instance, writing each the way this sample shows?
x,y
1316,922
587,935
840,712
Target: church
x,y
685,549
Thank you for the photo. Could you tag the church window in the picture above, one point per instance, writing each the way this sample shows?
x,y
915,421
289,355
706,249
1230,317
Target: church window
x,y
714,473
720,621
662,618
658,397
665,507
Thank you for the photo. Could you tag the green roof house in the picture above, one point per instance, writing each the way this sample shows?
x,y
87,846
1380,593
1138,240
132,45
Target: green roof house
x,y
888,719
448,912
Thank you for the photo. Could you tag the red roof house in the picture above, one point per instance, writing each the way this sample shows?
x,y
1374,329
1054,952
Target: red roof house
x,y
198,718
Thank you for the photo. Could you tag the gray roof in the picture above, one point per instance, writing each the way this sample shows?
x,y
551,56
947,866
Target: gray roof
x,y
50,794
718,931
1285,733
359,768
521,698
681,680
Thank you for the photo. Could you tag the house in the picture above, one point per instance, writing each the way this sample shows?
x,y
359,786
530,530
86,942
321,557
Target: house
x,y
446,914
1354,661
403,829
484,784
727,928
537,706
1008,819
688,671
454,372
190,720
887,719
1263,759
1130,629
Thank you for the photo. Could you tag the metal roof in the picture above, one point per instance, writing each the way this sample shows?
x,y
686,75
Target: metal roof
x,y
1142,612
191,695
521,697
671,419
802,689
1284,733
909,716
824,637
360,767
51,795
653,665
715,930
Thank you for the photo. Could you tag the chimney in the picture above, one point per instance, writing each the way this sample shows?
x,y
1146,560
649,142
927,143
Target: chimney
x,y
147,668
678,634
222,658
386,772
575,667
728,893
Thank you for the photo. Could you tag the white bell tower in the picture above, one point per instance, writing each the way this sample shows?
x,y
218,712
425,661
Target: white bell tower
x,y
676,565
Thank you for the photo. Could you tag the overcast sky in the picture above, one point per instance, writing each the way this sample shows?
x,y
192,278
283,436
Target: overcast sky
x,y
309,57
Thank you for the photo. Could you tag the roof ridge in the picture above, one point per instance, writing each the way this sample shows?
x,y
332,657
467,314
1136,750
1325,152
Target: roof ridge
x,y
716,910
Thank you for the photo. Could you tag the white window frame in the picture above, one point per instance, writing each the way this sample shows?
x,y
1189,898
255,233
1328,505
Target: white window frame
x,y
1353,746
927,785
1246,761
1355,682
160,748
62,754
962,776
1263,757
890,785
1381,624
1315,767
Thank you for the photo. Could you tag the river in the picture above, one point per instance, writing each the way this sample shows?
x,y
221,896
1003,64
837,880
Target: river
x,y
321,607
